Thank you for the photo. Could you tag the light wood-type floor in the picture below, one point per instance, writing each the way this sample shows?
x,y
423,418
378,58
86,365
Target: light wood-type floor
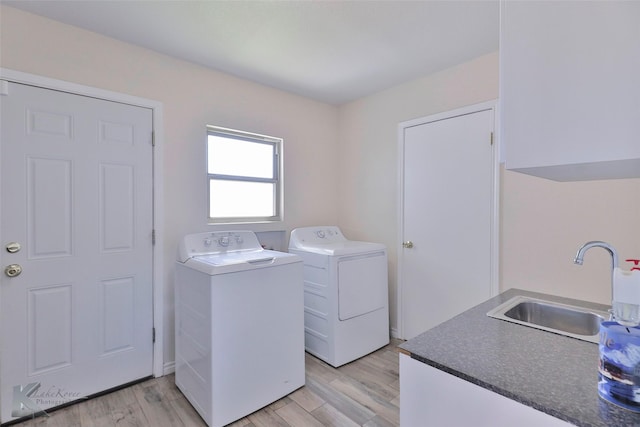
x,y
362,393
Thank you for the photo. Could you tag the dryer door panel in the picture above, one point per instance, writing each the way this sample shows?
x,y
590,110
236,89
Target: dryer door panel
x,y
362,284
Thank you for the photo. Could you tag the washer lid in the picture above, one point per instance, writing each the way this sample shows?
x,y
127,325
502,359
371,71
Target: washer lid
x,y
350,247
231,262
328,240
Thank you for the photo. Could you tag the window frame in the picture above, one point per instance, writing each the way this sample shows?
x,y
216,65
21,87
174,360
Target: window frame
x,y
278,199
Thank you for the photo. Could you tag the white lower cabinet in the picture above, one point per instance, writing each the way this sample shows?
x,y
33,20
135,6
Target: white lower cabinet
x,y
431,397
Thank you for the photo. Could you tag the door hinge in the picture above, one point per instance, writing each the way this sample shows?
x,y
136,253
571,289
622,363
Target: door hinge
x,y
153,139
153,334
153,237
491,138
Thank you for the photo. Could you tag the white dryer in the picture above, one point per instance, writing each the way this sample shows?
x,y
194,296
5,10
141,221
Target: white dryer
x,y
346,300
238,323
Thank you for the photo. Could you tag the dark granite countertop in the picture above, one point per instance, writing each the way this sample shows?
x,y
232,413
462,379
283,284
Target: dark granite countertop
x,y
552,373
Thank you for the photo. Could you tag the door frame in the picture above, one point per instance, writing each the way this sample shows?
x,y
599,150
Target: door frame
x,y
495,204
158,198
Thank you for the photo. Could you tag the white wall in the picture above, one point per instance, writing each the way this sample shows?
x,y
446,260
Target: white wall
x,y
192,97
545,222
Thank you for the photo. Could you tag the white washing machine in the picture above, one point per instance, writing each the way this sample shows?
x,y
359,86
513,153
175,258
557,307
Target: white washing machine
x,y
239,324
346,300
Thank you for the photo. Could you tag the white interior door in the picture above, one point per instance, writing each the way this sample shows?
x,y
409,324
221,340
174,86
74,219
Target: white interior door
x,y
446,215
77,199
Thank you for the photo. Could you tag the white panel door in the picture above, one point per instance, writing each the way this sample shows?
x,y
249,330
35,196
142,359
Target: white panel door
x,y
447,217
77,197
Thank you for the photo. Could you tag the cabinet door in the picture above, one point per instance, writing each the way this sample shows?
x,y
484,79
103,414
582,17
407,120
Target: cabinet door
x,y
433,397
569,88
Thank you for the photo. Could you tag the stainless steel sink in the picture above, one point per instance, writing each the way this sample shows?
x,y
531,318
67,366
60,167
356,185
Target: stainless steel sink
x,y
572,321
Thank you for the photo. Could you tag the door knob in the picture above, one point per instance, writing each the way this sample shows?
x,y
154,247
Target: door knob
x,y
408,244
13,270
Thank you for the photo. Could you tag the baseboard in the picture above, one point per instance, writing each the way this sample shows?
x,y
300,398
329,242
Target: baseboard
x,y
395,333
169,368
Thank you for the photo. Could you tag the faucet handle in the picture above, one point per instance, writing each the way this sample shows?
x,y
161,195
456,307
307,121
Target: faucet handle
x,y
636,263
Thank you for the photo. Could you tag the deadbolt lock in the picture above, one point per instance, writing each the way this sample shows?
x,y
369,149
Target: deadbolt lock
x,y
13,247
13,270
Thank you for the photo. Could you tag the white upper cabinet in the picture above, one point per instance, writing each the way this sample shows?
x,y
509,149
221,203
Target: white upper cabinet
x,y
570,88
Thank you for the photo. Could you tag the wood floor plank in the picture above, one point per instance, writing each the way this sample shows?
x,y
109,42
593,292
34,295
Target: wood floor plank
x,y
98,407
377,360
86,418
307,399
243,422
128,416
166,386
155,408
372,379
390,370
187,414
378,421
267,417
387,354
295,415
364,396
42,421
330,416
118,406
69,416
363,393
320,370
345,404
380,361
279,403
396,401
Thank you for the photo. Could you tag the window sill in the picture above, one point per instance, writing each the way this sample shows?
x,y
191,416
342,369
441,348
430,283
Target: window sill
x,y
256,227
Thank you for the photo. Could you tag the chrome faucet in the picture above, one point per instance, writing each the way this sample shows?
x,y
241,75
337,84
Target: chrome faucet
x,y
580,255
614,256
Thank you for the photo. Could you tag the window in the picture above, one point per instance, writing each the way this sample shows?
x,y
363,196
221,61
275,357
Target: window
x,y
244,171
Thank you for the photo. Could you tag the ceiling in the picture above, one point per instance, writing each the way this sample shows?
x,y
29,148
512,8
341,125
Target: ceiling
x,y
329,50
